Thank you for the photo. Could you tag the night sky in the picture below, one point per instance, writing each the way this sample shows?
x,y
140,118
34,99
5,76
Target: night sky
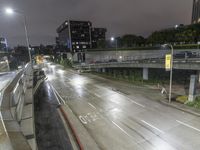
x,y
139,17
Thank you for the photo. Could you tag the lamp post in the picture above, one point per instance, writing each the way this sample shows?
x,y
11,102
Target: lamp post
x,y
116,44
171,70
10,11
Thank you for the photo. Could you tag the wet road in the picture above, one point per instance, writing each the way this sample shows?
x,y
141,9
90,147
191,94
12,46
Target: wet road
x,y
118,116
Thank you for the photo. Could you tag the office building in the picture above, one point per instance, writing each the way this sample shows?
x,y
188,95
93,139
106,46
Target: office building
x,y
196,12
76,37
98,37
3,44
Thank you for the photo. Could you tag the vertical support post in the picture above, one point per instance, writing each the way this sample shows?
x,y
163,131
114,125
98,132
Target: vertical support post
x,y
192,90
145,74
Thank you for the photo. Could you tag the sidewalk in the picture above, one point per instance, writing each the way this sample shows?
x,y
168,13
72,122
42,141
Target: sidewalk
x,y
182,107
156,95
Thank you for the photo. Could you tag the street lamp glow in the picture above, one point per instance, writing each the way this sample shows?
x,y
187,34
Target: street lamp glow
x,y
112,38
9,11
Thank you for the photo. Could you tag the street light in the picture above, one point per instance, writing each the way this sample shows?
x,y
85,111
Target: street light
x,y
10,11
116,45
171,70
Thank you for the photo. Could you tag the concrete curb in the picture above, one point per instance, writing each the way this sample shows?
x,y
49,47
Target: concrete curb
x,y
190,111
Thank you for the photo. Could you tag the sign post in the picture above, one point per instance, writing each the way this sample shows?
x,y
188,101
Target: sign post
x,y
169,67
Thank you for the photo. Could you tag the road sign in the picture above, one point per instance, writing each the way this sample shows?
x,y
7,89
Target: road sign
x,y
168,59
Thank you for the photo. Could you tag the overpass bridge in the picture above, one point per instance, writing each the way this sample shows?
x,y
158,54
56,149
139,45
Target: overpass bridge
x,y
183,64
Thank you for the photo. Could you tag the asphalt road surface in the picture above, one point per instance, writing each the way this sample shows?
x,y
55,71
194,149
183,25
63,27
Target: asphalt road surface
x,y
119,116
50,132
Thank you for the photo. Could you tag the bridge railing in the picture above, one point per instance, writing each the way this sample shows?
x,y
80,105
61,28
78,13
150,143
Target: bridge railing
x,y
15,100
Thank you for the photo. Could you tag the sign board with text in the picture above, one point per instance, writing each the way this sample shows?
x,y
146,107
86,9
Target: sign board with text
x,y
168,59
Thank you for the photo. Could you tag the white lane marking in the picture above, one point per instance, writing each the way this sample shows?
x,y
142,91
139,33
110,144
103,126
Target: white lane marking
x,y
121,129
92,105
57,94
92,92
82,119
153,126
132,101
187,125
97,95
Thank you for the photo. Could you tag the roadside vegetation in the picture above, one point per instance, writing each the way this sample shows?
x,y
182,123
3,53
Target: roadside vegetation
x,y
63,61
194,104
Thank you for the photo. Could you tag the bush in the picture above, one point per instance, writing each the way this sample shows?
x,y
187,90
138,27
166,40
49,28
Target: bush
x,y
195,104
182,99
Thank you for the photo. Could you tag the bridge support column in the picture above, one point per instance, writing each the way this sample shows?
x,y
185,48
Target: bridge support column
x,y
192,90
198,76
145,73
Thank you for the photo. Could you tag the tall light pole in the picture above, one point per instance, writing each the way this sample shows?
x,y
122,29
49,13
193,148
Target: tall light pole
x,y
10,11
116,43
171,70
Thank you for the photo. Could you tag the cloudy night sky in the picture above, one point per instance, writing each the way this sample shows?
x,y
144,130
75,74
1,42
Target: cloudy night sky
x,y
120,17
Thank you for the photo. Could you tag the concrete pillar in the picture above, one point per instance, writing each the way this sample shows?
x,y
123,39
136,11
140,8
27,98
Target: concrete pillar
x,y
114,73
145,74
192,90
198,76
103,70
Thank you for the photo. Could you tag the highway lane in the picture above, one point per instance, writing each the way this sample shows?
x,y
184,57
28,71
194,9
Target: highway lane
x,y
120,116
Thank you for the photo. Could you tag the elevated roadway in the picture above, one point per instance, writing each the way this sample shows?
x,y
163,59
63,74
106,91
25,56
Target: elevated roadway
x,y
183,64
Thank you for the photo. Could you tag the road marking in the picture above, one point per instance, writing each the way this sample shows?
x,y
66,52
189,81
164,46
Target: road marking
x,y
82,119
187,125
132,101
90,117
92,92
121,129
92,106
153,126
57,94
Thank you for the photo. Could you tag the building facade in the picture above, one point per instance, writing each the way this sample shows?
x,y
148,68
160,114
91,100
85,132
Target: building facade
x,y
196,12
3,45
98,37
75,36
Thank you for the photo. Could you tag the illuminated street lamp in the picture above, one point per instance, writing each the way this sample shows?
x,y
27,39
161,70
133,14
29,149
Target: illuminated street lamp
x,y
116,43
112,39
10,11
171,70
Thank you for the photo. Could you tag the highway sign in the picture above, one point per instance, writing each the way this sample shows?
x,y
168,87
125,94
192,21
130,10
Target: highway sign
x,y
168,59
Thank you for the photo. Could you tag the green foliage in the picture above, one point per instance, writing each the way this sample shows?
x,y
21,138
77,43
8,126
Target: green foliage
x,y
182,99
184,34
195,104
101,44
66,63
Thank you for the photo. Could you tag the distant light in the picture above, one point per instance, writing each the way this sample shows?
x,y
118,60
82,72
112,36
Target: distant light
x,y
9,11
112,38
61,71
120,57
176,26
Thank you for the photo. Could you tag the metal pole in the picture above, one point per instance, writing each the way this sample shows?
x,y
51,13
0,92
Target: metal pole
x,y
116,47
171,74
27,38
